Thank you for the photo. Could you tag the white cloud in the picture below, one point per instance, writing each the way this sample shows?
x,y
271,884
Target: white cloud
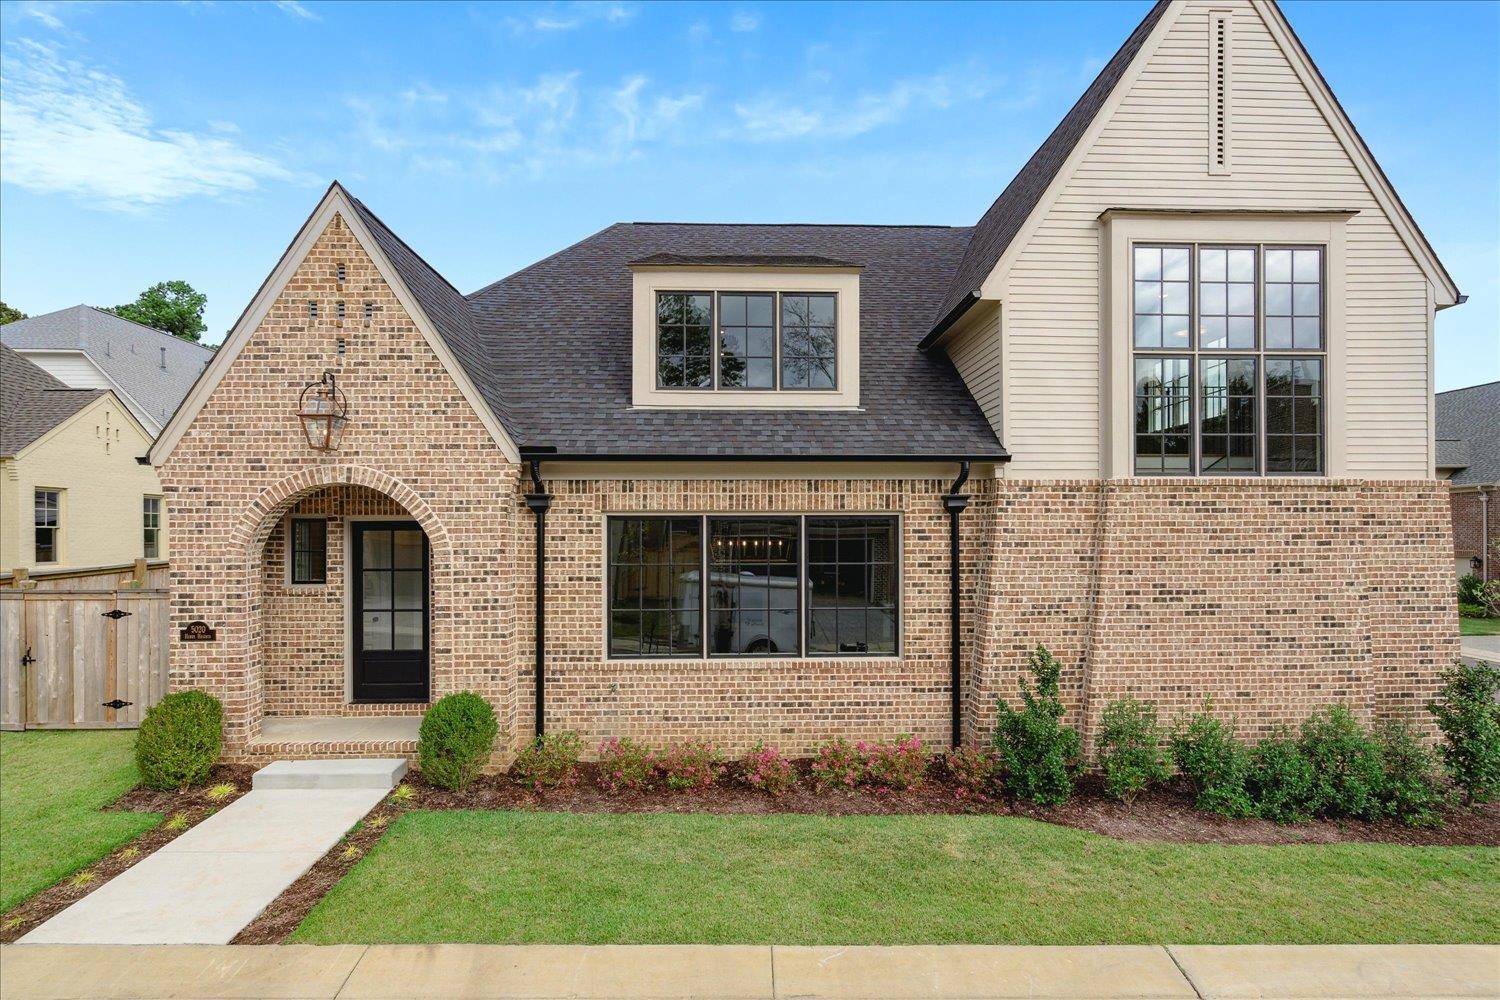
x,y
69,128
568,17
772,118
295,9
744,20
43,12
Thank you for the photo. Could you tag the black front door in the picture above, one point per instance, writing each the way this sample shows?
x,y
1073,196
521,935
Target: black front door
x,y
389,580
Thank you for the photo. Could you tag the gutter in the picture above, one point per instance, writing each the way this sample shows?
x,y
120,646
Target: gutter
x,y
954,315
540,501
954,503
537,453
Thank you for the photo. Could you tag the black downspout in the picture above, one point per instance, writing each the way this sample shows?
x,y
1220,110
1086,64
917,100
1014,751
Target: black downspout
x,y
954,503
539,500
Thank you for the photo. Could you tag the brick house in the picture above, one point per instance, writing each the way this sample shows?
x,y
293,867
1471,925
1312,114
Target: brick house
x,y
1165,408
1468,457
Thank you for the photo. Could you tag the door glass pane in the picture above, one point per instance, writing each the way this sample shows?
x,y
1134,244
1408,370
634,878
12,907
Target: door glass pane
x,y
409,589
377,549
377,589
408,549
408,633
377,630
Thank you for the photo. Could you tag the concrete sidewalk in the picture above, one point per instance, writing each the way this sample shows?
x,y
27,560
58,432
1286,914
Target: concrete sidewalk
x,y
746,972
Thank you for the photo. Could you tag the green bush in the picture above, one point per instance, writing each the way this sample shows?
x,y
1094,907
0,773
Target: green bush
x,y
1209,754
1130,748
1279,784
549,761
1411,787
179,740
1345,765
458,732
1472,610
1469,586
1039,754
1470,720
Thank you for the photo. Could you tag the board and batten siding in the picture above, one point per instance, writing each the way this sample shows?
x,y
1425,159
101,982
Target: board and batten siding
x,y
975,352
1153,153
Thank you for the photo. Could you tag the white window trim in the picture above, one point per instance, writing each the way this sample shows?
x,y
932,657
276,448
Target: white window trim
x,y
649,281
1123,228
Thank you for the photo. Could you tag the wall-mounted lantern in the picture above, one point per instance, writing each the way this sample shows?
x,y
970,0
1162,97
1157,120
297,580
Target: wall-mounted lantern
x,y
322,408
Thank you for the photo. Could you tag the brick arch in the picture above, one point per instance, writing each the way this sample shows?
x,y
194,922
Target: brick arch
x,y
260,517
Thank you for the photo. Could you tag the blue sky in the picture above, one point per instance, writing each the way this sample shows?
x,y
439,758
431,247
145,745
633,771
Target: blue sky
x,y
140,143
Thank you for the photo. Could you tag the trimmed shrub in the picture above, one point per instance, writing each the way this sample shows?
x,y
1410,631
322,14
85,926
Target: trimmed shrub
x,y
1411,788
1470,586
179,740
1469,718
894,766
1345,764
767,769
1280,779
1211,757
974,773
626,766
1130,750
548,762
1472,610
837,765
1039,754
457,735
690,766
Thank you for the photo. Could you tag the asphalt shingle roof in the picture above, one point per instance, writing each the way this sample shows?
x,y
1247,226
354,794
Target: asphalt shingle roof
x,y
1468,432
32,402
129,353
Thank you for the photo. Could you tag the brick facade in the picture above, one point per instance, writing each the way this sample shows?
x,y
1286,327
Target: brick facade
x,y
1271,596
1468,509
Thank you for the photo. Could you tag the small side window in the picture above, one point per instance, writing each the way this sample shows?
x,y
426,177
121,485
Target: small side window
x,y
151,526
309,550
46,522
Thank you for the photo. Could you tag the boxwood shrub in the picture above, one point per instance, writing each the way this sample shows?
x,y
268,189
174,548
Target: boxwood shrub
x,y
458,732
179,740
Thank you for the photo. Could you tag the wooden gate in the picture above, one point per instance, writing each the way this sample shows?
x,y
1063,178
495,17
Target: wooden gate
x,y
72,659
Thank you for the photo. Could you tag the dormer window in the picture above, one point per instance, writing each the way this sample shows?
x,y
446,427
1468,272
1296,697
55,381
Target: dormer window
x,y
760,335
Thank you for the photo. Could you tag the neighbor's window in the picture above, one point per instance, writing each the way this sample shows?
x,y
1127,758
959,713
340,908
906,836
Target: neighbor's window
x,y
151,526
47,509
1229,359
741,587
746,340
309,550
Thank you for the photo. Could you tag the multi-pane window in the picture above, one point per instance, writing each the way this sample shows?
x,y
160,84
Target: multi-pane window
x,y
684,340
46,515
747,340
752,586
151,526
309,550
1228,363
655,586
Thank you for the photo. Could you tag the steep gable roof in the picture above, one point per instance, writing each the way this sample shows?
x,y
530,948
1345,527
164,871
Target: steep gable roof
x,y
32,402
1468,433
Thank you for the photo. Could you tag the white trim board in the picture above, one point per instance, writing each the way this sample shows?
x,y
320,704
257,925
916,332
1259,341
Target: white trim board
x,y
336,202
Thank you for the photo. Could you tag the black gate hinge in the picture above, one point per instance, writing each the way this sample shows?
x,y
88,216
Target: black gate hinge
x,y
116,614
117,703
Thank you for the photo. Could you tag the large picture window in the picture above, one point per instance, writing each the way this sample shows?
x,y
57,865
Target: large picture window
x,y
1228,359
763,586
747,340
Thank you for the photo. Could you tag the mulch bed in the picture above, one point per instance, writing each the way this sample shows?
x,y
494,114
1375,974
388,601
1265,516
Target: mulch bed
x,y
183,811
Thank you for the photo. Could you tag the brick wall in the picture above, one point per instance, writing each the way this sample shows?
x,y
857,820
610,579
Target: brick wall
x,y
1468,528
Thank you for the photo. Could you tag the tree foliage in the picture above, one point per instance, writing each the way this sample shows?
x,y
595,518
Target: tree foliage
x,y
174,307
9,314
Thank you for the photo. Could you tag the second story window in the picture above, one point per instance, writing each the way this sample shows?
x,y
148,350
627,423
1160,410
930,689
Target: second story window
x,y
151,526
46,523
746,340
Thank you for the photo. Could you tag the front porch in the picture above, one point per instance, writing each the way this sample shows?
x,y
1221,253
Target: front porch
x,y
319,736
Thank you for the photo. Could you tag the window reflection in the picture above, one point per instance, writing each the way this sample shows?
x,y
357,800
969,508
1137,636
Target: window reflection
x,y
752,590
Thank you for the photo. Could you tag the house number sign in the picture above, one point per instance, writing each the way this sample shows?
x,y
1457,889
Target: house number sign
x,y
199,632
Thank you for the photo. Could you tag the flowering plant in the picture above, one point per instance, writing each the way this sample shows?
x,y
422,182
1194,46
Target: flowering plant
x,y
767,769
838,765
895,766
626,766
690,765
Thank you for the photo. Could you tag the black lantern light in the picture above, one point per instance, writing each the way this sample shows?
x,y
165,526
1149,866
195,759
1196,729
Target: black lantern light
x,y
322,409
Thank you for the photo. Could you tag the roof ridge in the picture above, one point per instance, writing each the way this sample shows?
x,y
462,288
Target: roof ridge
x,y
395,236
103,311
550,257
804,225
1466,388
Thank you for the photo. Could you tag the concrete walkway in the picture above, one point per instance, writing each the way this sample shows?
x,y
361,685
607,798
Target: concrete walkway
x,y
502,972
1481,647
205,886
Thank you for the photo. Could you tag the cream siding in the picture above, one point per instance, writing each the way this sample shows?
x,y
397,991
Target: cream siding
x,y
976,354
102,491
1153,153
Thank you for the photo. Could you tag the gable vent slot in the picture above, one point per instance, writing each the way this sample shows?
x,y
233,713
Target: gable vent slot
x,y
1220,66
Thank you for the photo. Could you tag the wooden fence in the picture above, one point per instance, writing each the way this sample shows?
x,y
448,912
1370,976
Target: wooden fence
x,y
81,659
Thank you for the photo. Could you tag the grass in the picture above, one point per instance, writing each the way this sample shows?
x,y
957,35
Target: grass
x,y
1479,626
52,785
570,878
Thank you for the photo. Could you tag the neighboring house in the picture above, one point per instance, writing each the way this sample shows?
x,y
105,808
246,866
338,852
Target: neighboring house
x,y
698,480
73,491
1468,456
87,348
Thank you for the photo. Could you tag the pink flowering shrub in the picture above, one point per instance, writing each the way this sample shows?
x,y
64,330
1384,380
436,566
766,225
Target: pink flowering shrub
x,y
838,765
550,761
974,773
626,766
767,769
690,765
896,766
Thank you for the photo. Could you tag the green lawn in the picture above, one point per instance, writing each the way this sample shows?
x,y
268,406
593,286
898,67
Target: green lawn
x,y
52,785
1479,626
570,878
